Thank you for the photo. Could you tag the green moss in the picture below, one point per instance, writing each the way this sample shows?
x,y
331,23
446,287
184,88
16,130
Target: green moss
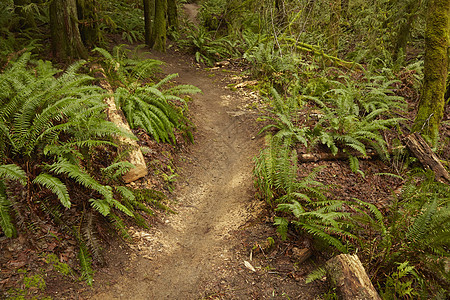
x,y
431,105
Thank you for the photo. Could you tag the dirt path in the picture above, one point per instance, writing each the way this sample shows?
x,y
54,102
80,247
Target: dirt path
x,y
180,259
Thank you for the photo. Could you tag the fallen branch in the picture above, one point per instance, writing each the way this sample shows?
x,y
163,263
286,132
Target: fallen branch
x,y
346,273
426,156
310,48
134,155
325,156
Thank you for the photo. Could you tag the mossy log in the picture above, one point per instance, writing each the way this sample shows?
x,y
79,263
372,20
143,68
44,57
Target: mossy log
x,y
346,273
134,153
303,47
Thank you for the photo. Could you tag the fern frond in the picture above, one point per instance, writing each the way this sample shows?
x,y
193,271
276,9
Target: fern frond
x,y
421,224
101,205
56,186
90,239
86,264
13,172
5,218
317,274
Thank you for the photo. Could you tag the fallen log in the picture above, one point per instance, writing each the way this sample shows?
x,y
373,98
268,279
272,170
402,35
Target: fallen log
x,y
422,151
325,156
134,154
346,273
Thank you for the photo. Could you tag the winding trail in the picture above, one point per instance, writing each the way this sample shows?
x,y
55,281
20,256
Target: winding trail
x,y
192,251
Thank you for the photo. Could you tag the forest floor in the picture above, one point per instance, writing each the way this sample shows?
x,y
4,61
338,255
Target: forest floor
x,y
220,229
199,252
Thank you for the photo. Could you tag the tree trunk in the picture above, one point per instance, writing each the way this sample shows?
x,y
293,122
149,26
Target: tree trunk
x,y
172,14
405,28
431,104
88,21
159,29
149,17
66,38
346,273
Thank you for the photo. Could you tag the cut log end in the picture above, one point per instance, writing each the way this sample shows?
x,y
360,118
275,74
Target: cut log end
x,y
135,173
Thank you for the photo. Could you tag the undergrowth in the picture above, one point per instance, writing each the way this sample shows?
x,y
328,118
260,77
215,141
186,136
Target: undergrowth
x,y
53,129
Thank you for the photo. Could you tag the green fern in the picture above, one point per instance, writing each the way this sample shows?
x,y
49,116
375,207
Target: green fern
x,y
317,274
56,186
149,107
86,264
5,218
323,223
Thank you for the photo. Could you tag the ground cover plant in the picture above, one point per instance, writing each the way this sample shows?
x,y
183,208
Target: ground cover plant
x,y
54,130
342,82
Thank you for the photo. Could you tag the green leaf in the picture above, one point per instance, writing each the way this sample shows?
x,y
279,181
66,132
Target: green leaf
x,y
5,218
101,205
56,186
282,228
13,172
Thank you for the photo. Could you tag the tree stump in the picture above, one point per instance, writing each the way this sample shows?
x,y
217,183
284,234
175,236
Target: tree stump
x,y
347,274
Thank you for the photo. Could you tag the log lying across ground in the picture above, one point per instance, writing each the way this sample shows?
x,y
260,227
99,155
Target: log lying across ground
x,y
134,153
346,273
419,147
325,156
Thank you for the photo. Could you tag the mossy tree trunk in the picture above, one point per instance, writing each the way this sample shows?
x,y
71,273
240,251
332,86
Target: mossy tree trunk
x,y
172,14
66,38
159,35
431,104
89,21
407,22
149,17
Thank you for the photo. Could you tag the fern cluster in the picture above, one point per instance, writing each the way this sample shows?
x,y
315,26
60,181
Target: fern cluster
x,y
349,118
50,128
415,231
156,109
206,48
302,202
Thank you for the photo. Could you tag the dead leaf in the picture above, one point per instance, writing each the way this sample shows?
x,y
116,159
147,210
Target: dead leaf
x,y
249,266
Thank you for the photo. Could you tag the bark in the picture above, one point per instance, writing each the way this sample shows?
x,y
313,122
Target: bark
x,y
172,14
89,21
308,157
431,104
149,17
159,34
404,32
66,38
426,156
134,153
346,273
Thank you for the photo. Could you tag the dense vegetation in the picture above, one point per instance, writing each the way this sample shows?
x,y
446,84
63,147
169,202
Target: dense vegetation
x,y
341,77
